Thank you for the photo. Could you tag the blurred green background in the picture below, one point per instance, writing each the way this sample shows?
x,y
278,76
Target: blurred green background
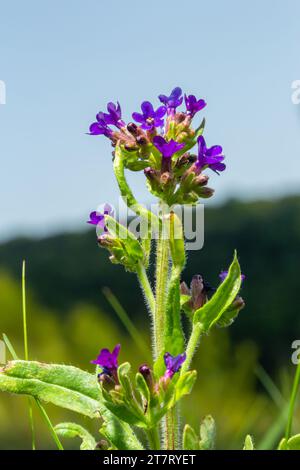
x,y
70,319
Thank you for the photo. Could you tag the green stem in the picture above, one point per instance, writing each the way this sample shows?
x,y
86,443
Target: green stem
x,y
293,402
162,272
127,194
145,285
153,438
192,346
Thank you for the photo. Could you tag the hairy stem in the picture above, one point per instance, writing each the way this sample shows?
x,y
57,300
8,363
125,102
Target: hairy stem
x,y
127,194
293,402
153,438
162,272
192,346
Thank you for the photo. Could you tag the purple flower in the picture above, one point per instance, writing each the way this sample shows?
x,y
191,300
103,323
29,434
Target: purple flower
x,y
100,127
108,361
150,118
114,115
173,101
193,105
209,157
167,149
98,218
173,364
224,274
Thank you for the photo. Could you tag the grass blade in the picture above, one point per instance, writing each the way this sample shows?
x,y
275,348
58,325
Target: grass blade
x,y
123,316
26,348
293,402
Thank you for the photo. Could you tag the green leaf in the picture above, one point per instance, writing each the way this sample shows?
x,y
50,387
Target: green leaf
x,y
70,388
190,438
185,384
64,386
248,445
142,386
294,442
212,311
207,433
283,444
72,430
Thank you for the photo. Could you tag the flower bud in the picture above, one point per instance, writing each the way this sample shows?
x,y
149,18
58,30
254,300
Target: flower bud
x,y
201,180
148,376
198,293
132,128
106,381
102,445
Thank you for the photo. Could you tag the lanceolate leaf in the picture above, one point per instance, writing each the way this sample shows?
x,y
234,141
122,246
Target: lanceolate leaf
x,y
212,311
248,445
67,387
72,430
190,438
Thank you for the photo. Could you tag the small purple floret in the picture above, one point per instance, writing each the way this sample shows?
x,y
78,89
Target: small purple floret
x,y
114,115
98,218
167,149
209,157
173,101
224,274
100,128
173,364
149,119
193,105
108,361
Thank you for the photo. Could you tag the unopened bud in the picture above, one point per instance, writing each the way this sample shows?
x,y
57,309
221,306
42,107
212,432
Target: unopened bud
x,y
142,140
184,290
147,374
205,192
201,180
238,303
102,445
132,128
106,381
198,292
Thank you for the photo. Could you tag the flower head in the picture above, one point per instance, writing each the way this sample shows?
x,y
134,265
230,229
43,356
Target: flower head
x,y
149,117
114,115
173,101
193,105
173,364
209,157
224,274
108,361
167,149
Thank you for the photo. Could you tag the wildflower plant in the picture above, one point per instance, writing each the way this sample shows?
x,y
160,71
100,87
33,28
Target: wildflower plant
x,y
159,142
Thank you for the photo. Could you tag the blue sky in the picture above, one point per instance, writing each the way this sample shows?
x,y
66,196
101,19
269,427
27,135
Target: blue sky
x,y
62,61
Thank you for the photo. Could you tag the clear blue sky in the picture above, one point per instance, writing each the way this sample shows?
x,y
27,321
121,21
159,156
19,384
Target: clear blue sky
x,y
63,60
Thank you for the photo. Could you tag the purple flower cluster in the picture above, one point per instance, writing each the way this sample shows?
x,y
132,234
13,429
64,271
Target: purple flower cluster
x,y
159,142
